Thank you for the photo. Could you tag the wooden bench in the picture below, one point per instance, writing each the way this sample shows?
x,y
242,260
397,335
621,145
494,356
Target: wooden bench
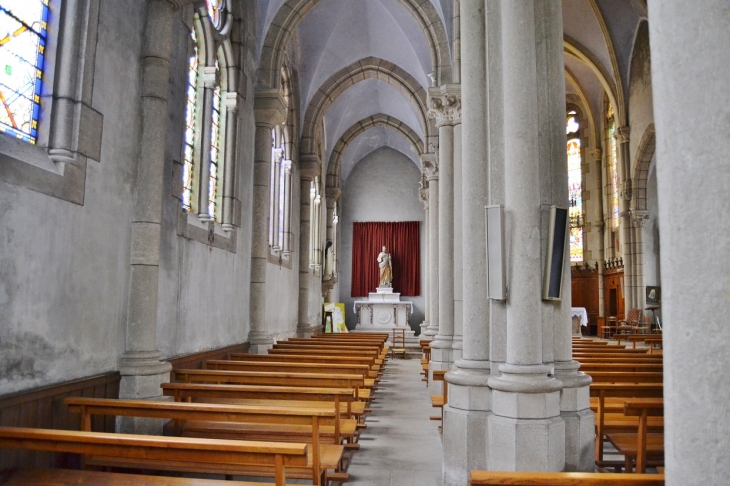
x,y
320,380
348,369
74,477
630,367
335,349
167,453
502,478
640,446
316,351
194,420
603,391
626,376
440,401
324,359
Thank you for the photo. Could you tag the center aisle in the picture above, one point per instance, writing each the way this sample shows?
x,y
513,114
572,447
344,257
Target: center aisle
x,y
400,445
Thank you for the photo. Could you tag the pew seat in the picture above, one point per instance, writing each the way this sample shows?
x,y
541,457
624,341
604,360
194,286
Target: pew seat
x,y
74,477
502,478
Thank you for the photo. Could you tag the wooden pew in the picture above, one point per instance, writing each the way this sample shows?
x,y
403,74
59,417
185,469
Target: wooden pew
x,y
603,391
320,380
440,401
611,350
327,351
171,453
337,349
341,342
502,478
75,477
626,377
295,358
274,366
625,367
640,445
194,420
635,359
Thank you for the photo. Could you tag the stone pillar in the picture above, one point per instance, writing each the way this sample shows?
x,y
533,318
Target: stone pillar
x,y
432,176
689,44
229,170
269,110
465,438
445,108
458,343
456,71
423,197
310,167
526,431
622,144
638,219
140,365
210,82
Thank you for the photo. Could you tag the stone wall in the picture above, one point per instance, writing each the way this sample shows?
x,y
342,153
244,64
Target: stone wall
x,y
383,186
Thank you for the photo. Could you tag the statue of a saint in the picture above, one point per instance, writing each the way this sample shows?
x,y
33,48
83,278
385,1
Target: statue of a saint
x,y
386,268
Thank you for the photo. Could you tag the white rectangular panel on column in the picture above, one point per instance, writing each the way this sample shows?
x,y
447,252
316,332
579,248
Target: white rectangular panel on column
x,y
496,277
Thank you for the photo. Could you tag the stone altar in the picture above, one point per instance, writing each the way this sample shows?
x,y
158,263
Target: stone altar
x,y
383,311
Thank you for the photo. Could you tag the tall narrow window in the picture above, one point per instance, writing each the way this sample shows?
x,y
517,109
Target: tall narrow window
x,y
215,152
190,128
23,36
575,188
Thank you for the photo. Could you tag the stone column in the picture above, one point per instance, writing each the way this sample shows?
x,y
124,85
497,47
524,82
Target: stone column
x,y
229,170
466,415
638,219
526,431
444,107
458,343
140,365
689,44
423,196
210,82
433,248
622,144
269,110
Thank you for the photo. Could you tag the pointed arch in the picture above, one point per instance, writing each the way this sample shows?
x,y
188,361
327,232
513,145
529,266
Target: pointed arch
x,y
644,154
368,68
379,120
290,14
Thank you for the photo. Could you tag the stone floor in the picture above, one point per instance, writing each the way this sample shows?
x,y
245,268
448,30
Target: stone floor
x,y
400,446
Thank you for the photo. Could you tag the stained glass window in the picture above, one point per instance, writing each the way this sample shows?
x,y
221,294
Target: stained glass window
x,y
23,36
215,132
217,12
190,129
575,188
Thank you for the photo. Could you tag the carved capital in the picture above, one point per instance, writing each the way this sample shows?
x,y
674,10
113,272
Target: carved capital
x,y
638,218
423,196
596,154
622,134
333,195
231,102
310,166
430,166
269,108
444,105
210,77
626,190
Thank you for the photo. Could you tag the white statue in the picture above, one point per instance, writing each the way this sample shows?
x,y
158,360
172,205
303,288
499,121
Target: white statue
x,y
386,268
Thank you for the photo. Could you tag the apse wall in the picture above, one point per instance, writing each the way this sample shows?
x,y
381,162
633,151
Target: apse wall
x,y
383,186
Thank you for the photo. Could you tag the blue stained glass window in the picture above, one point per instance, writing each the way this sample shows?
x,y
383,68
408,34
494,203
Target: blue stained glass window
x,y
190,129
23,36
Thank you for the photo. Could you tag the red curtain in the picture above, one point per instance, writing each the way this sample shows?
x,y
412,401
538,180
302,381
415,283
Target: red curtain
x,y
403,242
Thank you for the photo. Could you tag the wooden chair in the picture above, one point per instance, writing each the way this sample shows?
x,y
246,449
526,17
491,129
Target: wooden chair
x,y
399,343
632,323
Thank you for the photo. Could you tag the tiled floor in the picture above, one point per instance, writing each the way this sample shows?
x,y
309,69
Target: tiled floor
x,y
400,446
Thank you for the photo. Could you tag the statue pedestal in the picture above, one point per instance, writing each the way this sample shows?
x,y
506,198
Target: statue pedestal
x,y
384,311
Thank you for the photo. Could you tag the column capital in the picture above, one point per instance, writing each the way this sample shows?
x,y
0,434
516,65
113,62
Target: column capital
x,y
333,195
210,77
622,134
444,105
430,166
596,154
423,196
231,101
639,217
269,108
310,166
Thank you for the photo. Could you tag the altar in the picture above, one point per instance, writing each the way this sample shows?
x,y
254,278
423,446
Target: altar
x,y
382,311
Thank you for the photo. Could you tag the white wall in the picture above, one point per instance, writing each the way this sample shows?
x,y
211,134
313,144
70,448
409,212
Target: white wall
x,y
652,272
383,186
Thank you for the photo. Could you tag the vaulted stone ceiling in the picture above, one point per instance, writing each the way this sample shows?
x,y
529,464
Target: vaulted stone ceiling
x,y
333,35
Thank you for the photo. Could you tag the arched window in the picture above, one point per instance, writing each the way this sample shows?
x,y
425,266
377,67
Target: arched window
x,y
575,182
191,115
280,190
205,192
23,32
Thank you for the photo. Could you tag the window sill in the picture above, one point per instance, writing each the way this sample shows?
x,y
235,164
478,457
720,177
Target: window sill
x,y
212,234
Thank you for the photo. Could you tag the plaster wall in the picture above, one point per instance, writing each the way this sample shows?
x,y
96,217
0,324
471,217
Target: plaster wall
x,y
64,267
383,186
282,282
204,290
641,106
